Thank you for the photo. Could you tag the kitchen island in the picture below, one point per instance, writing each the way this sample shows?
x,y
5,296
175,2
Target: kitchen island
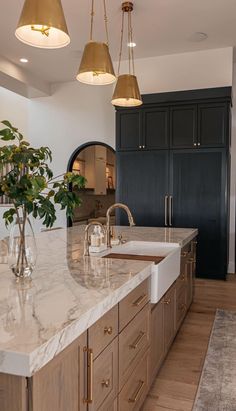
x,y
47,326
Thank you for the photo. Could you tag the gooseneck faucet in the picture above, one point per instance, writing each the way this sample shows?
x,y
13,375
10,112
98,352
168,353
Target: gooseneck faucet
x,y
86,237
110,209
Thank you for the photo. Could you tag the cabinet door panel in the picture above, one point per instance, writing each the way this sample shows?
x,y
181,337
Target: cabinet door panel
x,y
13,393
169,302
157,340
212,122
59,386
183,126
105,378
199,187
128,130
142,185
156,128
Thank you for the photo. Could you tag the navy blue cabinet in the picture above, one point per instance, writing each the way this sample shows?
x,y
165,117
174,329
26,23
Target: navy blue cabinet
x,y
183,126
198,186
176,146
142,184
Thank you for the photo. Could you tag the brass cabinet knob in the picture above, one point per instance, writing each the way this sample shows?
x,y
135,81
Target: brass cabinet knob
x,y
108,330
105,383
167,302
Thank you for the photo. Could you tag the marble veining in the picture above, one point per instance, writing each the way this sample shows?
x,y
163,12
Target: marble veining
x,y
68,293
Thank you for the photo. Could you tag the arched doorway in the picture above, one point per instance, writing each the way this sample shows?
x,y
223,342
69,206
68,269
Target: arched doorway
x,y
96,161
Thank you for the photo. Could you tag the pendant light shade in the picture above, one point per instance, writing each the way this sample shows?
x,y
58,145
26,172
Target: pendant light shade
x,y
96,65
126,92
42,24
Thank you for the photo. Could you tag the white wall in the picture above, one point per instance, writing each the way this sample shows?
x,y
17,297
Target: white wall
x,y
73,115
186,71
14,108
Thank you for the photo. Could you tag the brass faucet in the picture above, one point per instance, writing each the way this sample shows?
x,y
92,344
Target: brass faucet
x,y
86,237
110,209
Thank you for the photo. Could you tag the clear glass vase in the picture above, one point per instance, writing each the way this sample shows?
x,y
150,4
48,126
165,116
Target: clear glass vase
x,y
22,248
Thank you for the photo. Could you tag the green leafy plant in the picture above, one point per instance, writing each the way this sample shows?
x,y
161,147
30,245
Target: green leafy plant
x,y
30,185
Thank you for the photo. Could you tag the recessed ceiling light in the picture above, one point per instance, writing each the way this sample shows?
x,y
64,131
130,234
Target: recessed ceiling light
x,y
24,60
131,44
198,36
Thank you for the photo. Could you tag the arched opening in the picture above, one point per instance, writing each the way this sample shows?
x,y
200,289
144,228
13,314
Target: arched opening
x,y
96,161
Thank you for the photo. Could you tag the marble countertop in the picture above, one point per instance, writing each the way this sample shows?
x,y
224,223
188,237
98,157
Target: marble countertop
x,y
68,293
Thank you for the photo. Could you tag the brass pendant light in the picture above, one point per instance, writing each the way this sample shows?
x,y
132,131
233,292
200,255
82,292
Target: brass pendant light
x,y
42,24
126,93
96,67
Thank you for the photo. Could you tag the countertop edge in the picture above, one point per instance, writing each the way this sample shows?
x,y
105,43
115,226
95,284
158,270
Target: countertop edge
x,y
26,365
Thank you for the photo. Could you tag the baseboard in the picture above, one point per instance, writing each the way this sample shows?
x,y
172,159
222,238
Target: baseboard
x,y
231,267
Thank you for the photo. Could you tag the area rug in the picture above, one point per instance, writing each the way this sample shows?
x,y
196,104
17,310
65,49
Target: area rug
x,y
217,387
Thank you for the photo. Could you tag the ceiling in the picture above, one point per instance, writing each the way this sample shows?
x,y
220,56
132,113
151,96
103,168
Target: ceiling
x,y
160,27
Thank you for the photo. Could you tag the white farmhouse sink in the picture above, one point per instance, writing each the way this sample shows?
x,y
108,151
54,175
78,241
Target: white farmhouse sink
x,y
164,273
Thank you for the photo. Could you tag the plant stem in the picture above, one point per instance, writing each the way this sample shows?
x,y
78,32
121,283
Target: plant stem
x,y
22,252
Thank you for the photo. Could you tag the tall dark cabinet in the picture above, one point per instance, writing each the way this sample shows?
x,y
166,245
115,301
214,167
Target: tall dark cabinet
x,y
173,168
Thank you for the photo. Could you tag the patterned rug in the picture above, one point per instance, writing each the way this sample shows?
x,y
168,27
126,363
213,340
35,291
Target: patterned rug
x,y
217,388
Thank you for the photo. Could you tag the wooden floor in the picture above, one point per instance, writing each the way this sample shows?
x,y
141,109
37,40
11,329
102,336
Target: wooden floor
x,y
176,384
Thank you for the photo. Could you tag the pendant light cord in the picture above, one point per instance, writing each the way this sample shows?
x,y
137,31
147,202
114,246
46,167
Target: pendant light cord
x,y
130,41
121,42
106,21
91,23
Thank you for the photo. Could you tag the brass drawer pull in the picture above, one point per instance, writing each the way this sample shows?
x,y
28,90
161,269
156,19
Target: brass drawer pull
x,y
137,341
183,277
89,398
108,330
105,383
184,254
138,392
140,300
167,302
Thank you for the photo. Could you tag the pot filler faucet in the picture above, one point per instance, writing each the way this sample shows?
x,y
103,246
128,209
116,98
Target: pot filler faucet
x,y
110,209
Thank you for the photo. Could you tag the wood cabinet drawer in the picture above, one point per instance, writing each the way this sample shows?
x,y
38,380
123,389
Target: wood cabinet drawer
x,y
135,390
103,331
132,304
133,342
105,378
181,305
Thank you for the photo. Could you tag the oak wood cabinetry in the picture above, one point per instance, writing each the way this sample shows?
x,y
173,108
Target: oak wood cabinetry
x,y
60,385
112,365
13,393
169,303
104,378
133,343
168,314
157,348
